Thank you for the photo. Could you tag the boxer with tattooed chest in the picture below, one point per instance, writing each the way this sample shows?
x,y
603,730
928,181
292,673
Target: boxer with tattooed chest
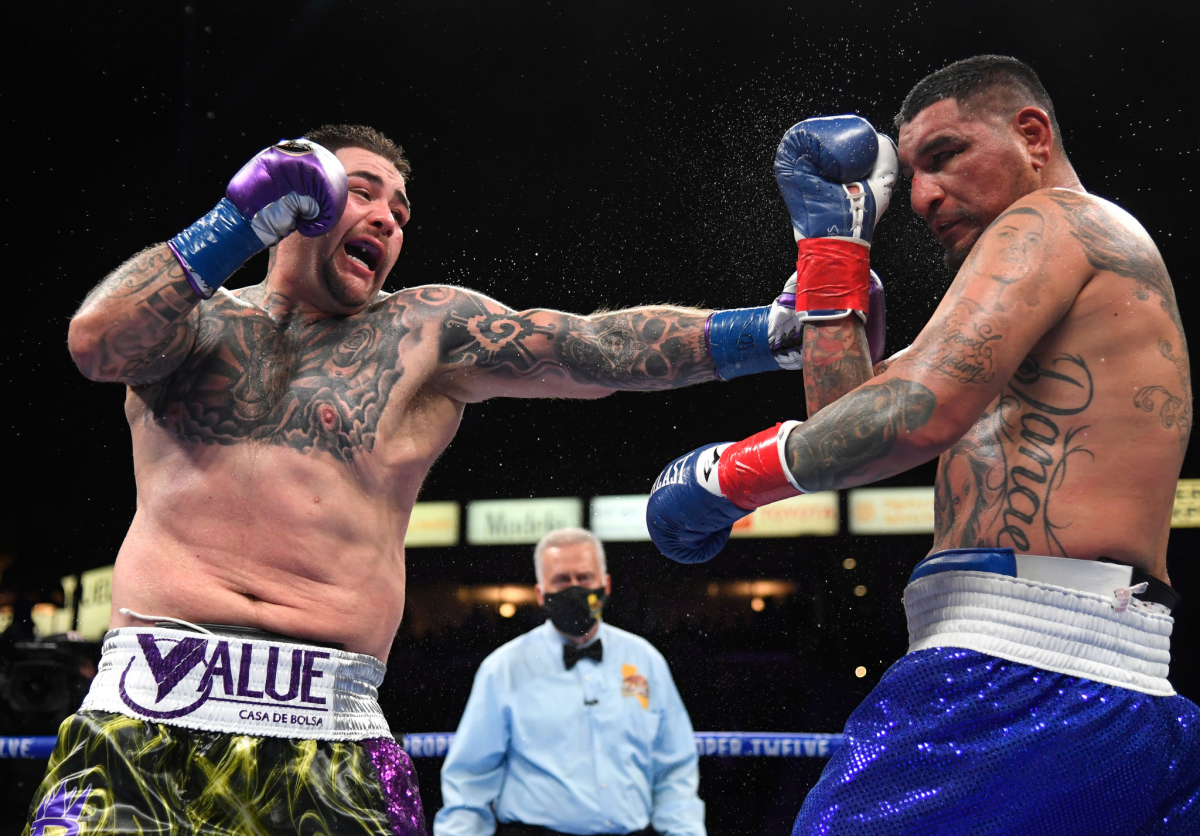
x,y
280,436
1052,384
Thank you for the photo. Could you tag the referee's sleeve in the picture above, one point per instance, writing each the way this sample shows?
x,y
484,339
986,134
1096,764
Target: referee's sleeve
x,y
678,810
474,768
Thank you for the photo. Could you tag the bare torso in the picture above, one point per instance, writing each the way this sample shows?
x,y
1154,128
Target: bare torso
x,y
1079,454
1053,380
278,451
277,468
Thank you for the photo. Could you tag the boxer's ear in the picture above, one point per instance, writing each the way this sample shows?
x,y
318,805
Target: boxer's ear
x,y
1032,124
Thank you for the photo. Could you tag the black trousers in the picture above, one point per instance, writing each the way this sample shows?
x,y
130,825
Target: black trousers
x,y
515,828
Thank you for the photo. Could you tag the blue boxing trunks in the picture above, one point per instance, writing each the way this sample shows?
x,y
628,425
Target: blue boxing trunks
x,y
1033,700
226,734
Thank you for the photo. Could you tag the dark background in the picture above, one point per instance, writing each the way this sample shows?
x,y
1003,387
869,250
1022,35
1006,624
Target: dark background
x,y
570,155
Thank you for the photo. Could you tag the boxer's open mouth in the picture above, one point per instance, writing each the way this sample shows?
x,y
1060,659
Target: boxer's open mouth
x,y
366,253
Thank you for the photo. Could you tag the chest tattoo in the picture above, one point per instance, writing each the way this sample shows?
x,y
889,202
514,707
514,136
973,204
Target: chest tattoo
x,y
318,388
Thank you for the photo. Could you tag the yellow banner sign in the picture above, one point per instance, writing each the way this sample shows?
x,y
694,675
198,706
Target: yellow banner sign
x,y
814,514
620,518
432,524
1186,513
891,511
502,522
95,602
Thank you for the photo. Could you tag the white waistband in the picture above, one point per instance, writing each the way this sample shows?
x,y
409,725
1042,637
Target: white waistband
x,y
239,685
1072,631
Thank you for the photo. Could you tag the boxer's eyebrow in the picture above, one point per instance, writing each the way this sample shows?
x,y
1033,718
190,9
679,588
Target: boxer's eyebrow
x,y
937,143
397,195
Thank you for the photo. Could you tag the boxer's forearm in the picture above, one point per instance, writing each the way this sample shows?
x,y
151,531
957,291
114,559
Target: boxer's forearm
x,y
138,324
646,348
878,430
836,360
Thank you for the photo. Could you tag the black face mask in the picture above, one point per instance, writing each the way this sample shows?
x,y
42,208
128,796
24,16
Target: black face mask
x,y
575,609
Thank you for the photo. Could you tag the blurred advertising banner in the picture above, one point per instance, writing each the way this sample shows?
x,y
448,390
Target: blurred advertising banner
x,y
506,522
95,602
814,514
891,511
432,524
620,518
1186,513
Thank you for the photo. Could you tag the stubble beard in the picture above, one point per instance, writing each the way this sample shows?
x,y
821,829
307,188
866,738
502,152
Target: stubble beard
x,y
343,292
956,256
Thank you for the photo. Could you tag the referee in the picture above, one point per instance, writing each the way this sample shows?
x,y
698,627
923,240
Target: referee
x,y
575,727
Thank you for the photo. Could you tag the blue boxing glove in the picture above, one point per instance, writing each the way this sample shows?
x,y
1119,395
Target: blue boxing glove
x,y
689,520
744,341
697,499
295,185
836,175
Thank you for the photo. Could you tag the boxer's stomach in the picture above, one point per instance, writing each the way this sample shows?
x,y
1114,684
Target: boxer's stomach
x,y
260,535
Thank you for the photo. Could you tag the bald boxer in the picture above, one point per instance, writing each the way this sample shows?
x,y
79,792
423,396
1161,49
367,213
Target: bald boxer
x,y
280,434
1052,384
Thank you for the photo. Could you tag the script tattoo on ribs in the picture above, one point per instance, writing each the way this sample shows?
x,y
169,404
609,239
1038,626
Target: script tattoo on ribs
x,y
645,348
856,431
318,387
995,486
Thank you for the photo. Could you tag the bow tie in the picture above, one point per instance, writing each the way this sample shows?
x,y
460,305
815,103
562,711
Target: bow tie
x,y
572,654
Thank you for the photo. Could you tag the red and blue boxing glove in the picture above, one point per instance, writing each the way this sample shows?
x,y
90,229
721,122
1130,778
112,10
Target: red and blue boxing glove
x,y
836,175
295,185
698,497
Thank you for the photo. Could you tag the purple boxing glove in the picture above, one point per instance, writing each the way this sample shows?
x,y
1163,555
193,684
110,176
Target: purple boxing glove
x,y
295,185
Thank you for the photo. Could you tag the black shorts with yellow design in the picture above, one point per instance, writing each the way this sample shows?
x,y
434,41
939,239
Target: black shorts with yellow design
x,y
112,774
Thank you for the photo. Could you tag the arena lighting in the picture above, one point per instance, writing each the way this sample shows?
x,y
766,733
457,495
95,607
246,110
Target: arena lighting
x,y
849,563
508,609
508,595
860,591
751,589
758,604
860,671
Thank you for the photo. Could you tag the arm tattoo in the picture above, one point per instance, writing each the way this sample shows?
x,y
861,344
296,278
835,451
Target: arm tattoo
x,y
641,348
857,432
965,350
152,321
836,361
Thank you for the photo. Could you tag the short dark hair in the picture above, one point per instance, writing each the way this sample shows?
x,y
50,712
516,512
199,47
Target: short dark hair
x,y
336,137
972,78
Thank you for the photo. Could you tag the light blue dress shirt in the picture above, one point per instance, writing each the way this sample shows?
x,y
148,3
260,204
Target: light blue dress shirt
x,y
602,748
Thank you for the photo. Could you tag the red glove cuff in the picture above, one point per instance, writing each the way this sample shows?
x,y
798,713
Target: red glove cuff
x,y
750,472
832,274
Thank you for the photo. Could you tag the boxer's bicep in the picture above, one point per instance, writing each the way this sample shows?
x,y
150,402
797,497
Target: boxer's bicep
x,y
1022,277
